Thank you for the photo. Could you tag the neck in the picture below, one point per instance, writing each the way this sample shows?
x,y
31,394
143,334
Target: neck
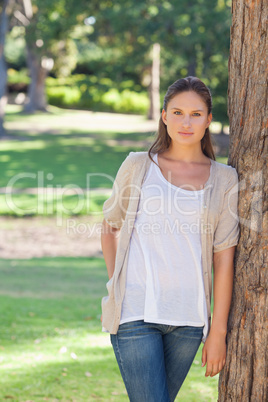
x,y
185,154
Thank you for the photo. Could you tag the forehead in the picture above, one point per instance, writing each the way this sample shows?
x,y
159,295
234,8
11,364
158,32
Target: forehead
x,y
187,100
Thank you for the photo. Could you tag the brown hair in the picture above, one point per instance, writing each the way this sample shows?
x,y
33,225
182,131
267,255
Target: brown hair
x,y
187,84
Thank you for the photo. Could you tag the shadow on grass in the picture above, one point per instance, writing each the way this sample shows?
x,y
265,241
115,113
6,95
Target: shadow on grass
x,y
66,159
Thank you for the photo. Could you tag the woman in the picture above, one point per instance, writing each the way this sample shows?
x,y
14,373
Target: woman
x,y
172,212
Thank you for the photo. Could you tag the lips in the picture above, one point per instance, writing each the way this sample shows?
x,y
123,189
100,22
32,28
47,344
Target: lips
x,y
182,133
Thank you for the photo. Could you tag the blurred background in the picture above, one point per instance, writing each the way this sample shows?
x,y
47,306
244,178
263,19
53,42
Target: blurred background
x,y
81,85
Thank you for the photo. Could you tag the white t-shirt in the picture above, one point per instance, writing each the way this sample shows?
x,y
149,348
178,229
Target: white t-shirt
x,y
164,282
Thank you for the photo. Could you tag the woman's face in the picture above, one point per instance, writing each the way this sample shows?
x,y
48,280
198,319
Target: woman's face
x,y
186,118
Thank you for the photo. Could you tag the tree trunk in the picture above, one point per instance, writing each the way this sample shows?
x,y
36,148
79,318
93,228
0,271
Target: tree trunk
x,y
244,376
3,68
154,111
36,97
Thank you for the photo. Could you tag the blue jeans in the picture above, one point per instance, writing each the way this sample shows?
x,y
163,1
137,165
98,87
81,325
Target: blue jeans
x,y
154,359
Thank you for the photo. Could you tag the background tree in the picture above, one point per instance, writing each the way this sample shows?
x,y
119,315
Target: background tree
x,y
3,69
244,377
47,26
155,84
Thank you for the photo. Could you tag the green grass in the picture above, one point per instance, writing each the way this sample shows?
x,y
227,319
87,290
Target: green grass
x,y
59,161
22,205
51,344
47,305
68,156
67,152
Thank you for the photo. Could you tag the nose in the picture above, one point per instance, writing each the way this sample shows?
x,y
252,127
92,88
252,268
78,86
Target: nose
x,y
186,121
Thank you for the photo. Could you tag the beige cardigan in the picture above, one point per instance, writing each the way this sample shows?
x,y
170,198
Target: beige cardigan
x,y
219,225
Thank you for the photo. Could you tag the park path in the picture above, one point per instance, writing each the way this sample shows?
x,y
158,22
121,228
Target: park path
x,y
84,121
35,237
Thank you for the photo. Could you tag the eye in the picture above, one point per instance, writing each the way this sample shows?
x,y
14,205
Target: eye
x,y
177,112
196,114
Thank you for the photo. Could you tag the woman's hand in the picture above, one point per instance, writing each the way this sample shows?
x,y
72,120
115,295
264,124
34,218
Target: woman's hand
x,y
214,353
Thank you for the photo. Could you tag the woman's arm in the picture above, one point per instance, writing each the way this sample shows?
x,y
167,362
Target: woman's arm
x,y
109,242
214,350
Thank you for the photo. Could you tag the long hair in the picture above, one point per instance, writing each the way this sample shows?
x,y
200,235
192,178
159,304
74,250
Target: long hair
x,y
187,84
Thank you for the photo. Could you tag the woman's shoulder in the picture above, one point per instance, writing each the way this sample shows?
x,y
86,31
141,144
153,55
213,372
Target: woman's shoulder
x,y
137,157
225,172
223,168
132,161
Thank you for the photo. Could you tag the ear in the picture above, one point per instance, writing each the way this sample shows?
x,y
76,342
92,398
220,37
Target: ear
x,y
164,116
209,120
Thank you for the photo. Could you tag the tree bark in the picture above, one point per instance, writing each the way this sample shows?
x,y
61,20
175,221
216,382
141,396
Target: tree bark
x,y
244,377
36,97
3,68
154,111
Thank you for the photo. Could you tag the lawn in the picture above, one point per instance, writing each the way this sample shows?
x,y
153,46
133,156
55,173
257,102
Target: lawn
x,y
60,151
66,152
52,347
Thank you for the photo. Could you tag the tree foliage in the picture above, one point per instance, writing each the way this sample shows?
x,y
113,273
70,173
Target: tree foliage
x,y
191,42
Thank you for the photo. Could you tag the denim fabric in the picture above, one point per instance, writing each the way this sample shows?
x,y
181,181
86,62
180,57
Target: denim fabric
x,y
154,359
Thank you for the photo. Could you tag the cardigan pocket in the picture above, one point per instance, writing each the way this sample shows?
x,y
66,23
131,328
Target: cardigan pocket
x,y
109,285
